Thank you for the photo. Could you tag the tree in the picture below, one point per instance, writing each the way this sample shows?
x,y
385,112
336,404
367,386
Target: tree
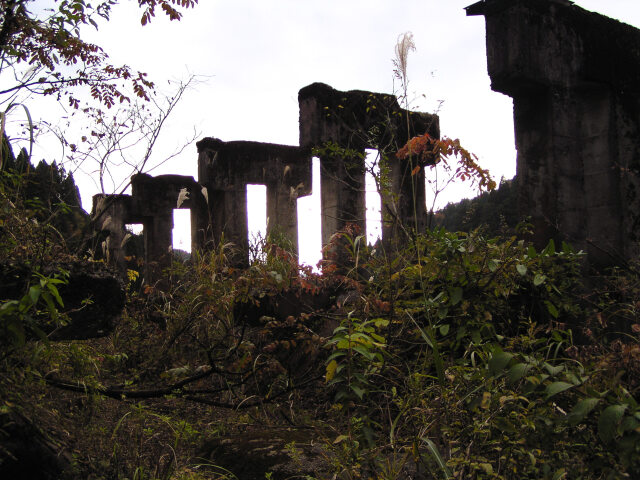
x,y
42,53
43,50
114,145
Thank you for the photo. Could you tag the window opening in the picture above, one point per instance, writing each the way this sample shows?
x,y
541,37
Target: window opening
x,y
257,219
373,218
309,221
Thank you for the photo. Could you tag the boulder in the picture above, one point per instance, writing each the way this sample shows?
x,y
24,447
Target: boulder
x,y
93,297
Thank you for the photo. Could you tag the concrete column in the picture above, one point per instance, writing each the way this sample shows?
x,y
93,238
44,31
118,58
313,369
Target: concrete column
x,y
575,83
229,219
342,185
603,215
282,212
226,168
535,163
157,242
403,207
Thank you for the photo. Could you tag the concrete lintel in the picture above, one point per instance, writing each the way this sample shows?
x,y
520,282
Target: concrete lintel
x,y
545,43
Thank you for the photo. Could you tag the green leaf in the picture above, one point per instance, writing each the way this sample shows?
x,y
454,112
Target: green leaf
x,y
629,423
550,249
557,387
493,264
455,295
358,391
444,329
378,338
499,361
581,410
553,371
551,308
437,457
504,425
381,322
560,473
340,438
609,421
539,279
335,355
34,294
518,371
54,291
8,307
522,270
368,354
487,467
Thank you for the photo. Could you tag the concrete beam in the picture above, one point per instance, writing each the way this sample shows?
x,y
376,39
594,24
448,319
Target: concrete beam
x,y
226,168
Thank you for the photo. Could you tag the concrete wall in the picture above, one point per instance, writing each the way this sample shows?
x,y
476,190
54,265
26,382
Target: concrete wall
x,y
226,168
354,121
151,204
350,121
574,77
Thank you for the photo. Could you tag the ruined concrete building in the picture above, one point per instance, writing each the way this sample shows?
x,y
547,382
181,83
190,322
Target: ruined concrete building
x,y
574,77
335,126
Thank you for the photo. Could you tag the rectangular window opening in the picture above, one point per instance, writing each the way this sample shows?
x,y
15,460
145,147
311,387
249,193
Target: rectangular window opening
x,y
181,234
257,220
133,247
373,202
309,222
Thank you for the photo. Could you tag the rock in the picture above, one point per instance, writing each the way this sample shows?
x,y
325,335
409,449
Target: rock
x,y
93,297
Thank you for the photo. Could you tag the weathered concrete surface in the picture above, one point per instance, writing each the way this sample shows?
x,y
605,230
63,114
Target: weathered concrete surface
x,y
151,204
226,168
574,77
353,121
110,214
357,120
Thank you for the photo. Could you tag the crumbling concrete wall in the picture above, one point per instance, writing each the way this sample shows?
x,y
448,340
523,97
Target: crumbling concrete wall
x,y
151,204
354,121
351,121
111,214
226,168
574,77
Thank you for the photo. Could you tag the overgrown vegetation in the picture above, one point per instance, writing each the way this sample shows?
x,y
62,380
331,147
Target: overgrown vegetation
x,y
453,355
497,211
465,356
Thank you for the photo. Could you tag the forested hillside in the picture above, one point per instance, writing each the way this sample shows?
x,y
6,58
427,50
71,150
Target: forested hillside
x,y
496,211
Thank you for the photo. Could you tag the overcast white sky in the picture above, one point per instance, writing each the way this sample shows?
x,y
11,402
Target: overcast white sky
x,y
257,54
